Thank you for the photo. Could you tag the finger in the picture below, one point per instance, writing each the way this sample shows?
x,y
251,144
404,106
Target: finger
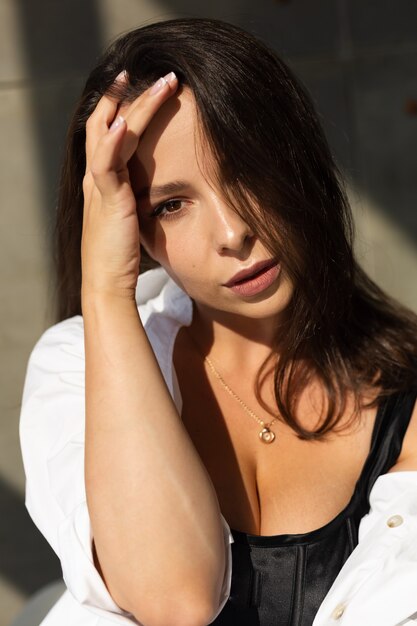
x,y
99,121
107,169
98,125
142,111
118,144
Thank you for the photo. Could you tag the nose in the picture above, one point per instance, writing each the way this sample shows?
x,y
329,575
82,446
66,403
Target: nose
x,y
231,234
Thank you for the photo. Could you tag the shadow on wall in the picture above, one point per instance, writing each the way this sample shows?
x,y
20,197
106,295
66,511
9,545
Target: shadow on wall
x,y
61,42
26,561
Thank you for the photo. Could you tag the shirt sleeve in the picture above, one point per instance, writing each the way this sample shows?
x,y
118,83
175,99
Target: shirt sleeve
x,y
378,582
52,427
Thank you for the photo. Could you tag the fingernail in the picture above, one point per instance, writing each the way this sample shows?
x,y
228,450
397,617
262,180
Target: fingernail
x,y
119,121
160,84
122,77
170,77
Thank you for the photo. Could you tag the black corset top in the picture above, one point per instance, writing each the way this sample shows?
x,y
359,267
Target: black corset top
x,y
281,580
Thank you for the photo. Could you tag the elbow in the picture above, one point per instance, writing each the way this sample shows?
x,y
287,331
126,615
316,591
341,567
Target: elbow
x,y
161,607
176,613
181,621
181,600
173,618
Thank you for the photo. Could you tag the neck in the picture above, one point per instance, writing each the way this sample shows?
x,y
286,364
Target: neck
x,y
232,339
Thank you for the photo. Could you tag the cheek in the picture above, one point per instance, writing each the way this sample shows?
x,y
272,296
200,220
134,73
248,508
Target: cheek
x,y
153,238
169,249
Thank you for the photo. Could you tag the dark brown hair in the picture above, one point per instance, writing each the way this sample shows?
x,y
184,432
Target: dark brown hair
x,y
276,169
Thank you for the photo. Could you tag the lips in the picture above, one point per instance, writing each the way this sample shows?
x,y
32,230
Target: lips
x,y
250,272
255,280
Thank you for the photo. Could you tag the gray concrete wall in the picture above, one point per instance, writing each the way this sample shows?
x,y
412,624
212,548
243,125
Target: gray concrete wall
x,y
358,58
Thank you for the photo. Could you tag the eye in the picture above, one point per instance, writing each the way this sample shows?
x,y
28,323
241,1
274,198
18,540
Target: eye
x,y
168,209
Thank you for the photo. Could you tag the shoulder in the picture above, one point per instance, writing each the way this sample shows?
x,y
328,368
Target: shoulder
x,y
60,348
54,382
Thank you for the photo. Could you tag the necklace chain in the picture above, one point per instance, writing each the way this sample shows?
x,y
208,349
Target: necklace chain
x,y
266,435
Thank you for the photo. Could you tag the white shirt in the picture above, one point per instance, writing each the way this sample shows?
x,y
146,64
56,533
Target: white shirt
x,y
377,586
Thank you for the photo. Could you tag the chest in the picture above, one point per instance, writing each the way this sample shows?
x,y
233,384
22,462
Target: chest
x,y
287,486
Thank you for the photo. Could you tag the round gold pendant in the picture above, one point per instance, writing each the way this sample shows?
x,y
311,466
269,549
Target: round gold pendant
x,y
266,435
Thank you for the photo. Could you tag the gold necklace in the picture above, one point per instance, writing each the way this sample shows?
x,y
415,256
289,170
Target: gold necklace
x,y
266,435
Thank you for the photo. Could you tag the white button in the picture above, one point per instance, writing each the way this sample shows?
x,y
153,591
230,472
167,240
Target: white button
x,y
338,611
394,520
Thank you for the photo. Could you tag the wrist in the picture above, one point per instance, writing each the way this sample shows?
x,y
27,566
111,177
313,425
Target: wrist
x,y
107,301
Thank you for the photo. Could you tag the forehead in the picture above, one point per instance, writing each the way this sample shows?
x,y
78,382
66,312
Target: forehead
x,y
168,147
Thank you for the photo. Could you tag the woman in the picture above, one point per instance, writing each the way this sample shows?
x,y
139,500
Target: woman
x,y
196,150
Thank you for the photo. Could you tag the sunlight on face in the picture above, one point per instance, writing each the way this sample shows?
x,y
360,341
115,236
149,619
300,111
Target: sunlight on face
x,y
185,223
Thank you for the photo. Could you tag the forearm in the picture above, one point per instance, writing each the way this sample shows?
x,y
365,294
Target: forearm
x,y
154,512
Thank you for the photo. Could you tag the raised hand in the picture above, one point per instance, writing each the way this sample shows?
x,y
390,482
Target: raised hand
x,y
110,248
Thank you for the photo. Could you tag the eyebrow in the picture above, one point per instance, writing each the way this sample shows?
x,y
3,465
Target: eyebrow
x,y
167,189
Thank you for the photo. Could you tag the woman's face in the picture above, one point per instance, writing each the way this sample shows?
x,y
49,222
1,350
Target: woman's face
x,y
187,226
